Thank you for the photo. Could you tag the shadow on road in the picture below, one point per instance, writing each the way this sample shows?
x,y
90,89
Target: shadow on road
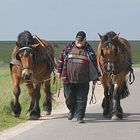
x,y
97,117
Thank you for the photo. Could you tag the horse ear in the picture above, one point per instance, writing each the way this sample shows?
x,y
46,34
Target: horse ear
x,y
100,36
17,44
116,36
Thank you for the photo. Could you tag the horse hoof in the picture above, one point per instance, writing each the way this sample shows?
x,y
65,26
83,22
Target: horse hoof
x,y
15,115
114,117
33,117
16,108
46,113
107,116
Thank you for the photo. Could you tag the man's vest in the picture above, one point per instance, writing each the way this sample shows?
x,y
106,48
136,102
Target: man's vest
x,y
78,66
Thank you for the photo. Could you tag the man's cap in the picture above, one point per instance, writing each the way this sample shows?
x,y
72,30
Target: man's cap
x,y
81,35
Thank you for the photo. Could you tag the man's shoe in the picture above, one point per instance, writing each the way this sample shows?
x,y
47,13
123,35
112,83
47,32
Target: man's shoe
x,y
80,120
70,116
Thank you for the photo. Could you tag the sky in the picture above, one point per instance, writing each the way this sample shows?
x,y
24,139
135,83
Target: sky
x,y
62,19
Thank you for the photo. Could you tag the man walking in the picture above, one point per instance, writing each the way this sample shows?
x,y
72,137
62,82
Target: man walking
x,y
75,68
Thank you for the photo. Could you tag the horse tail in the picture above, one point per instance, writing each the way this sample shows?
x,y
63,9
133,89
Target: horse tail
x,y
124,91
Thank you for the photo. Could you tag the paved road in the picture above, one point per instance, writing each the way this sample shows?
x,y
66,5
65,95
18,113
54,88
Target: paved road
x,y
96,127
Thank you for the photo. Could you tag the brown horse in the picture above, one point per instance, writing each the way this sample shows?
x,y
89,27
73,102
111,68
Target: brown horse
x,y
32,63
114,61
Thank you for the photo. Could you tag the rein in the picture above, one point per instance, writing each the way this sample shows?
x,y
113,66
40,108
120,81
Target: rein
x,y
52,61
35,81
93,95
131,76
44,46
58,86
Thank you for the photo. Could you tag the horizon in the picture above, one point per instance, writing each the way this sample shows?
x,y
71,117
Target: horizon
x,y
58,40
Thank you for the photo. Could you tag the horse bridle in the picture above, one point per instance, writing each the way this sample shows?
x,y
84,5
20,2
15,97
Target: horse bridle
x,y
29,49
108,63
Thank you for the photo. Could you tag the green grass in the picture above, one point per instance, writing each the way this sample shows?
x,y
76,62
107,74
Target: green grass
x,y
7,46
5,51
6,118
135,52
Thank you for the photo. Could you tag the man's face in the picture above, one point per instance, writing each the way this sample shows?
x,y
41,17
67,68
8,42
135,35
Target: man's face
x,y
80,43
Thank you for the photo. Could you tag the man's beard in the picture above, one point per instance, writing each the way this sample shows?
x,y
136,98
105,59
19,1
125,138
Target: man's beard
x,y
79,45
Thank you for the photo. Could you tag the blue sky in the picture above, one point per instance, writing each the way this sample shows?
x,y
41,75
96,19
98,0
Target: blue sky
x,y
62,19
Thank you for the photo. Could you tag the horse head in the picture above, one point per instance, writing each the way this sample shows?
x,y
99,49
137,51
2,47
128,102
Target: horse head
x,y
109,51
25,54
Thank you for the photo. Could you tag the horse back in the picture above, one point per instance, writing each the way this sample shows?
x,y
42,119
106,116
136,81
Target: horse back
x,y
44,50
127,47
46,44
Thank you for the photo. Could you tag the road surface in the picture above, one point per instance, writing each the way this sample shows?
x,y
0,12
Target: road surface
x,y
57,127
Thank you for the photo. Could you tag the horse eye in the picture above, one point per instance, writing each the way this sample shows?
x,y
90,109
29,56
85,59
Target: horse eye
x,y
102,52
17,57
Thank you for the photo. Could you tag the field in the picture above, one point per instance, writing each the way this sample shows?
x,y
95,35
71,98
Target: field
x,y
7,46
6,119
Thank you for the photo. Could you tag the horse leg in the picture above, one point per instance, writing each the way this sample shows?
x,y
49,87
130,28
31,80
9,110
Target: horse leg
x,y
15,105
106,104
117,112
30,88
35,113
47,105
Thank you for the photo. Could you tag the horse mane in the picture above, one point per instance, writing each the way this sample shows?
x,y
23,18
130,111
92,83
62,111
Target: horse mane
x,y
15,49
25,39
104,38
110,34
120,42
44,52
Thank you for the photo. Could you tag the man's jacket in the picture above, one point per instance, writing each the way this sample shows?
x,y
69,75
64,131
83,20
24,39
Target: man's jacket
x,y
63,59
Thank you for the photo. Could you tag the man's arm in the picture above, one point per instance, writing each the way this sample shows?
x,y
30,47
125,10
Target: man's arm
x,y
94,60
60,62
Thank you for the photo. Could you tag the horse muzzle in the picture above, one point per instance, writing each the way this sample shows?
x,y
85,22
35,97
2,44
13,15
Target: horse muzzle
x,y
27,74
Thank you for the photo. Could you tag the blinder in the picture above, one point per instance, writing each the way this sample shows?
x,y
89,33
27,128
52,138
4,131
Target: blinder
x,y
108,44
101,52
109,65
23,49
